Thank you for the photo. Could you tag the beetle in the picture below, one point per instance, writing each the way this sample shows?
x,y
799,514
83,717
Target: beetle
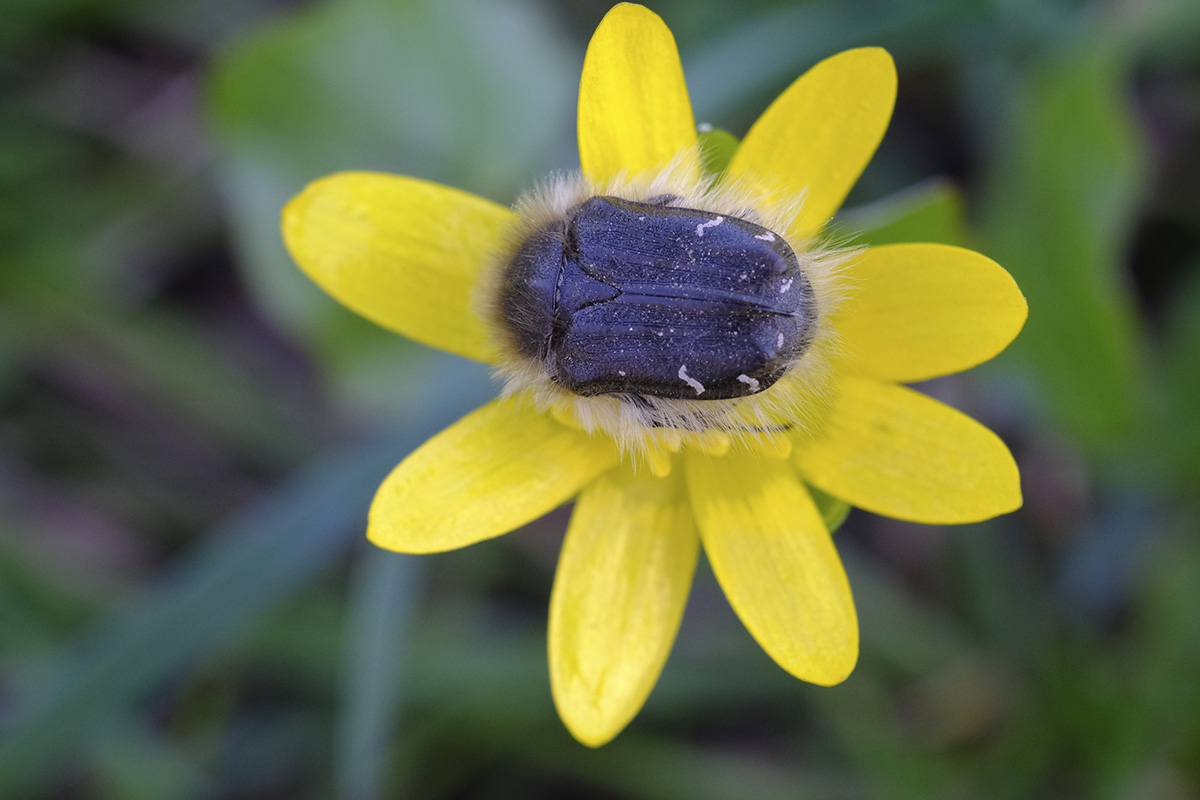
x,y
647,299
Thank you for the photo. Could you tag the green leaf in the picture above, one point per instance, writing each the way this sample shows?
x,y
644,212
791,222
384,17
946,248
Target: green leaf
x,y
1180,449
716,149
928,212
135,762
833,511
1061,198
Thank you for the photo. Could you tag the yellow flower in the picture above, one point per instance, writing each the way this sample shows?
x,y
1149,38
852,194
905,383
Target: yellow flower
x,y
427,261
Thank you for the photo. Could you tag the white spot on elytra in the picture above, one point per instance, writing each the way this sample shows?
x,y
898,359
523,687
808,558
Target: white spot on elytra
x,y
712,223
766,237
621,372
786,285
751,382
779,341
689,380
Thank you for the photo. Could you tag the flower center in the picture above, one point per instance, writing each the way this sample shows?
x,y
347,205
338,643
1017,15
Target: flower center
x,y
640,299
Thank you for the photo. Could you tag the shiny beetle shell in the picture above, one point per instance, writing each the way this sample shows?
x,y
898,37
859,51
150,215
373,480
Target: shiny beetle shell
x,y
647,299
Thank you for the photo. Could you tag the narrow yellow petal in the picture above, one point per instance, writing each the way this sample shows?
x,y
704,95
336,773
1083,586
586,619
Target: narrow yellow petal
x,y
923,310
622,583
402,252
494,470
634,111
776,562
899,453
818,136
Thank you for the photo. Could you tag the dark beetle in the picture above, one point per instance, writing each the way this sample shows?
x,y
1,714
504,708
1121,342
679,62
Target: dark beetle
x,y
647,299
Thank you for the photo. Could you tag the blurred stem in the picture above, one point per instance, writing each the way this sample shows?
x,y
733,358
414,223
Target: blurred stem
x,y
383,596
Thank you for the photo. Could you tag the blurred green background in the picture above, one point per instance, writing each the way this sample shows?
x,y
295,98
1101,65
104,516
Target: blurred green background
x,y
190,432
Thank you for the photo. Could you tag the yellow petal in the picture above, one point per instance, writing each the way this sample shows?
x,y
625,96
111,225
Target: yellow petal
x,y
817,137
634,111
899,453
494,470
776,562
622,583
402,252
923,310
